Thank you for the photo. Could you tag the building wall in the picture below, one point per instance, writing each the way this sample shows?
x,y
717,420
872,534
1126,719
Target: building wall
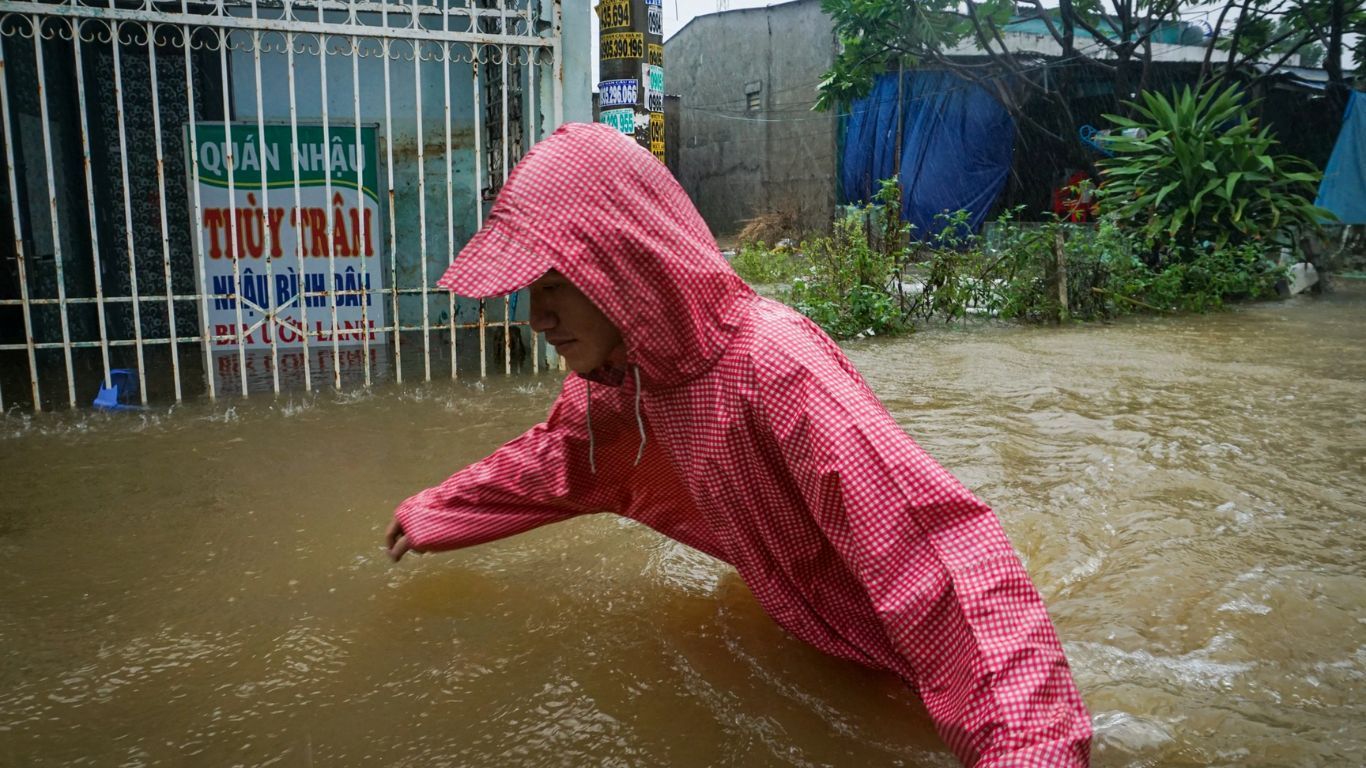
x,y
737,162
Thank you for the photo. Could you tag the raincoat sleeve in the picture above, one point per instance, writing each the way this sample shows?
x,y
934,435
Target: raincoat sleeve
x,y
950,592
540,477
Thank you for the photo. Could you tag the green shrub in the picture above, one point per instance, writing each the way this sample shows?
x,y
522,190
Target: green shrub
x,y
757,263
865,278
1194,174
1011,273
1201,282
1003,273
844,288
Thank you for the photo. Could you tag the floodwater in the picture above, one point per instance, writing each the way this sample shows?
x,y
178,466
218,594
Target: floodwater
x,y
205,585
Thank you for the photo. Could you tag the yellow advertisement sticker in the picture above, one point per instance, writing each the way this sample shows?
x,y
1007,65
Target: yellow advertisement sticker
x,y
622,45
614,14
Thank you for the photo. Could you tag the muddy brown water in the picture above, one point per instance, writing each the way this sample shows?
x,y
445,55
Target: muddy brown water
x,y
204,585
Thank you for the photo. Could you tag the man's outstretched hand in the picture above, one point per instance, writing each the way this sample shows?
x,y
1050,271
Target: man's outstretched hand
x,y
396,541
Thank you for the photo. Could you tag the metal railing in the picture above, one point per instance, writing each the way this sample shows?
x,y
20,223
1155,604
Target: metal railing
x,y
165,162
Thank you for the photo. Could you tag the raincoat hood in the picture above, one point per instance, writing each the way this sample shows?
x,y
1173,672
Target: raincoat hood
x,y
593,205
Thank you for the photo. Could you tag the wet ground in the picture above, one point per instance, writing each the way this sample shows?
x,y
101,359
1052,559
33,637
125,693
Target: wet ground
x,y
205,585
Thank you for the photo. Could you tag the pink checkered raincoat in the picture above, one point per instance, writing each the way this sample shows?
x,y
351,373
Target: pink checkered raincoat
x,y
740,429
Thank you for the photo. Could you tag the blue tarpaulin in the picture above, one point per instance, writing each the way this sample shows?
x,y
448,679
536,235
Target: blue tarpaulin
x,y
957,145
1343,189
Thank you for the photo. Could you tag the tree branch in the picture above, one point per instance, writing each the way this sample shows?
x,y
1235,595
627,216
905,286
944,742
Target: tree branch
x,y
1068,15
1147,62
1214,39
1280,63
1098,35
1048,22
995,32
1237,34
1271,45
994,84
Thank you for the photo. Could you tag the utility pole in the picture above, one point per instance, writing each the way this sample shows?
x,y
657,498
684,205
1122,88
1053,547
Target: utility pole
x,y
631,64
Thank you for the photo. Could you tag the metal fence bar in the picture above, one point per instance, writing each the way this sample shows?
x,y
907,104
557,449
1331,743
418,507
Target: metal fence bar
x,y
507,302
505,82
300,295
422,206
476,113
483,308
85,344
557,54
235,222
530,116
450,185
128,214
267,230
161,204
360,200
90,198
329,208
225,29
19,255
226,21
78,300
210,381
341,5
396,339
57,255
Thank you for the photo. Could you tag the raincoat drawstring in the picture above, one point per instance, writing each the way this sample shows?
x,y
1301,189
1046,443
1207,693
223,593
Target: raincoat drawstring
x,y
588,391
588,413
639,421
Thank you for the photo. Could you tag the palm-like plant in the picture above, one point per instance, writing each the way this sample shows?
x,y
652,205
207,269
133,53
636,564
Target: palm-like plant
x,y
1196,172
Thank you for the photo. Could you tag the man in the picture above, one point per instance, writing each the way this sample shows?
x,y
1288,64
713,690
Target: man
x,y
734,425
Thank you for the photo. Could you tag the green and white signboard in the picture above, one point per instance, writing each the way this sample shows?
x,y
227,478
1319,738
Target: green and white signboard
x,y
291,255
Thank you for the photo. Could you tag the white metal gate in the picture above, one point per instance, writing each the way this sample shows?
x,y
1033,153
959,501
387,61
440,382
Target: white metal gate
x,y
159,156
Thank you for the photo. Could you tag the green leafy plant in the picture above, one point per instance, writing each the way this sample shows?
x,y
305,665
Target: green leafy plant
x,y
1010,272
757,263
1002,273
1196,173
862,279
1206,281
845,286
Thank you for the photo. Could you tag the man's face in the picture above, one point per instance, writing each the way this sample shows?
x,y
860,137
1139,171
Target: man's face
x,y
577,329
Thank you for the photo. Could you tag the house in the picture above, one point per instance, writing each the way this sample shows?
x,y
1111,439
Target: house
x,y
748,140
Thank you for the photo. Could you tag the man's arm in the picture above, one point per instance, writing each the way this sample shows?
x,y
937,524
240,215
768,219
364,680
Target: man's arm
x,y
540,477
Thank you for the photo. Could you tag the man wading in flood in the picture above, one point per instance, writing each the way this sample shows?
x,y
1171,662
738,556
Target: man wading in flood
x,y
734,425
